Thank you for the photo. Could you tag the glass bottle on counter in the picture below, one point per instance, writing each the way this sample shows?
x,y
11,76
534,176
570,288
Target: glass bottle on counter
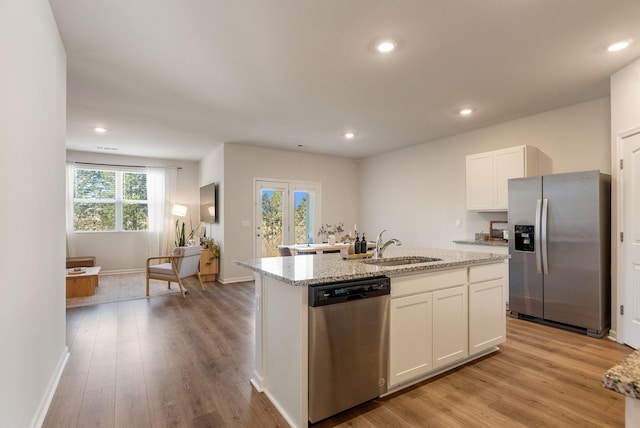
x,y
363,244
356,244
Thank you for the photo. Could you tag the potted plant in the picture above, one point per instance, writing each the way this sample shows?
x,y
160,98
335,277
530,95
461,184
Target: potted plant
x,y
181,236
208,243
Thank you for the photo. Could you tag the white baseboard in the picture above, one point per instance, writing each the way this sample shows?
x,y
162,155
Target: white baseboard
x,y
235,279
43,408
122,271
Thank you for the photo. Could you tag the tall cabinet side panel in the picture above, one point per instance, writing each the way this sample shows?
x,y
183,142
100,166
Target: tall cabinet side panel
x,y
605,250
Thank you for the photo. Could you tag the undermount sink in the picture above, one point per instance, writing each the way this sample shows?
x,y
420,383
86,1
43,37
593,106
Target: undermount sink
x,y
399,261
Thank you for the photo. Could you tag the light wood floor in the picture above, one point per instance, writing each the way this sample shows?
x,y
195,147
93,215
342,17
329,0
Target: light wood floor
x,y
186,363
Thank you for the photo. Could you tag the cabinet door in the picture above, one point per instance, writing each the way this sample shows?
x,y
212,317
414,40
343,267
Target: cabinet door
x,y
410,338
208,265
507,163
487,323
450,326
480,181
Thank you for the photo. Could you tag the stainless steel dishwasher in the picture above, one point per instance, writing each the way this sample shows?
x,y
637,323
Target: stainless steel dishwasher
x,y
348,344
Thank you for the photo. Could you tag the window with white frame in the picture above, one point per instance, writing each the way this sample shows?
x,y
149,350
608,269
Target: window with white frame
x,y
110,200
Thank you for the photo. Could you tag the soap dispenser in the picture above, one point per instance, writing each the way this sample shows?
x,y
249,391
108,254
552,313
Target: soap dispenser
x,y
363,244
357,244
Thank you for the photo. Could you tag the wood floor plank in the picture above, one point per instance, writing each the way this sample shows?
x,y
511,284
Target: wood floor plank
x,y
97,408
173,362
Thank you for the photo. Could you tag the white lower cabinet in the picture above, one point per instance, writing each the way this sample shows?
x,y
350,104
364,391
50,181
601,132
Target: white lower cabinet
x,y
487,323
442,318
410,337
450,326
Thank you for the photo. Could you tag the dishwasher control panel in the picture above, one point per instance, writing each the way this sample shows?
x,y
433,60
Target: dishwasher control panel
x,y
338,292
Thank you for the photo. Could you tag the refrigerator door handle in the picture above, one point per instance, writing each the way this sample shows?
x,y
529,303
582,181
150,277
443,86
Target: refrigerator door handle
x,y
543,234
536,236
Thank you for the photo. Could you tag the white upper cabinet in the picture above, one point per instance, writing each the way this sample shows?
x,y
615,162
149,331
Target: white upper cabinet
x,y
488,174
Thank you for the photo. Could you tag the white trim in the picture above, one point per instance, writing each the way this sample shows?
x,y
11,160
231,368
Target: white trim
x,y
43,408
121,271
620,286
235,279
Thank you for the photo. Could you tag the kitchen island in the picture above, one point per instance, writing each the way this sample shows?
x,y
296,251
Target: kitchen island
x,y
443,314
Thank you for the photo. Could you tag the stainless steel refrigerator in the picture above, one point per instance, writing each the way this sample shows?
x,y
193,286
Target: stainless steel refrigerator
x,y
559,243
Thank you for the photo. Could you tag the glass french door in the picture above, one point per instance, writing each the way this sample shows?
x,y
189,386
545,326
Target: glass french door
x,y
287,212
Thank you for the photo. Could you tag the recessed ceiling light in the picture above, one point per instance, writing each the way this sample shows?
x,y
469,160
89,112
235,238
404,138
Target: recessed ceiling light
x,y
465,111
349,135
618,46
386,46
100,129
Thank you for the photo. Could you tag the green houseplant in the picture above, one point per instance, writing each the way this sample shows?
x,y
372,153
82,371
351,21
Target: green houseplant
x,y
180,234
210,244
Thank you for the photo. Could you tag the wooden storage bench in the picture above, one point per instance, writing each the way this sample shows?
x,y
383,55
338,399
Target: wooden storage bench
x,y
86,261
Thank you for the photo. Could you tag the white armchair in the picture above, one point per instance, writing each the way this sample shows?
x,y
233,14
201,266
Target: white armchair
x,y
182,263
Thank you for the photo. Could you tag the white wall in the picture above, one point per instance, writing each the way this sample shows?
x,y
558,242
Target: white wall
x,y
625,115
338,176
127,251
212,171
32,285
418,193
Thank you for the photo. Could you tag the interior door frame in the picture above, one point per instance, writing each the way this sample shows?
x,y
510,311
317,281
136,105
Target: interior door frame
x,y
289,203
619,333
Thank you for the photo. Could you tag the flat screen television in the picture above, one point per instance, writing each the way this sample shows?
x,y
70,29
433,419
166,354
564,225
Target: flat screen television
x,y
208,196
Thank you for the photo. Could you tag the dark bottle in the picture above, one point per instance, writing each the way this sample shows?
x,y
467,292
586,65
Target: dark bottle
x,y
363,245
357,244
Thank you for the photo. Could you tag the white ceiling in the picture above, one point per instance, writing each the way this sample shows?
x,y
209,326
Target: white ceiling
x,y
174,79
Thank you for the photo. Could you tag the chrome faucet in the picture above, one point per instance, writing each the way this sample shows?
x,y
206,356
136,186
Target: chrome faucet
x,y
380,246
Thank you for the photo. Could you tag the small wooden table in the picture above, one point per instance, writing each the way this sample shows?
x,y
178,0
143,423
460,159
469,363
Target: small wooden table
x,y
82,284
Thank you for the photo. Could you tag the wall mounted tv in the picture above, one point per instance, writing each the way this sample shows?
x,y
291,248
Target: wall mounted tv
x,y
208,198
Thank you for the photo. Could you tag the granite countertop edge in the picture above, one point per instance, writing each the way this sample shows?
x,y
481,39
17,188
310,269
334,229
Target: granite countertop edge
x,y
485,243
332,268
624,377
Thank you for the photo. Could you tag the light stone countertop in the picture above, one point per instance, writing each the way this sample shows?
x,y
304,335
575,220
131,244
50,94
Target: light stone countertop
x,y
319,269
624,377
486,243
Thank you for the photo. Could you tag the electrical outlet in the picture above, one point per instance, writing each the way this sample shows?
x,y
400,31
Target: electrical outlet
x,y
458,222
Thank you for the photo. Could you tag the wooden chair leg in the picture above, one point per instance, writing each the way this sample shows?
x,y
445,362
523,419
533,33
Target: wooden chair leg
x,y
182,289
147,284
200,281
169,285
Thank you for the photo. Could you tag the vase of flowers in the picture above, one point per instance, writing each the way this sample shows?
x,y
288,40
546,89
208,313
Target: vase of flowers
x,y
329,231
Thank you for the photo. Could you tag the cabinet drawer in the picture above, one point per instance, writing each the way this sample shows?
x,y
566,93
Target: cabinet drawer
x,y
420,283
486,272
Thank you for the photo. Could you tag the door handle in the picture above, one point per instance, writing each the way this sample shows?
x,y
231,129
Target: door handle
x,y
536,236
543,233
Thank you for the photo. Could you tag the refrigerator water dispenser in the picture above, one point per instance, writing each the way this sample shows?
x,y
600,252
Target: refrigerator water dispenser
x,y
523,238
